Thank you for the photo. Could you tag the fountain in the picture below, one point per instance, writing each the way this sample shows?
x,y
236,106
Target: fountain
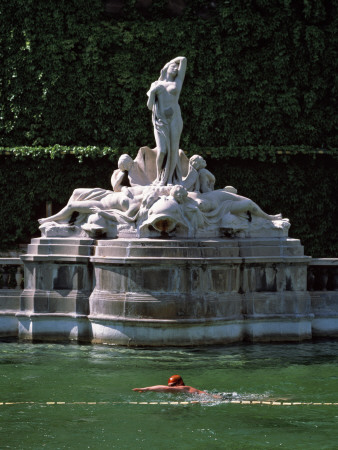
x,y
163,258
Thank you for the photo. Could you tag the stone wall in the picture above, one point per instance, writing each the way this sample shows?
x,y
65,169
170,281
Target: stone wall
x,y
153,292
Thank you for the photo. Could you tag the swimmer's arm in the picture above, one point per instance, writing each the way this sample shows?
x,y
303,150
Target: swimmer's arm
x,y
158,388
163,388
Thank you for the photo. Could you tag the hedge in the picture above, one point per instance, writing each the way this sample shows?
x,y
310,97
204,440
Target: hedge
x,y
258,101
301,186
260,72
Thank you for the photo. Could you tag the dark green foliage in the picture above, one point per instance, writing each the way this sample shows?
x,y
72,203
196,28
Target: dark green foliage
x,y
26,183
260,72
259,98
302,187
259,152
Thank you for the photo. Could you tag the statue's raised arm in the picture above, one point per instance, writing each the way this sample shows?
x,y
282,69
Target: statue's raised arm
x,y
181,62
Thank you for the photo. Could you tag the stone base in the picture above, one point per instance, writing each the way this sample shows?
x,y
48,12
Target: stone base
x,y
324,305
9,306
8,325
207,333
158,292
56,327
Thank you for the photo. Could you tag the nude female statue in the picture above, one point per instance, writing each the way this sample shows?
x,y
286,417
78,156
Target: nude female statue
x,y
167,120
208,208
124,198
212,202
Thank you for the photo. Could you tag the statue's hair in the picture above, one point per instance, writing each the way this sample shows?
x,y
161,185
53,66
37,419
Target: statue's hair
x,y
199,159
124,160
164,70
178,188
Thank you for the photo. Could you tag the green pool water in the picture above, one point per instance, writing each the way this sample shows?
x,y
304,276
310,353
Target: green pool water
x,y
41,373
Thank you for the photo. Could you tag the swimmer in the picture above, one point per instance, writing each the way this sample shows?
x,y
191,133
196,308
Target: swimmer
x,y
175,385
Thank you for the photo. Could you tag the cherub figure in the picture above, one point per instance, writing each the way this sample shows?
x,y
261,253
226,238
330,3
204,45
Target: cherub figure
x,y
206,180
199,179
120,176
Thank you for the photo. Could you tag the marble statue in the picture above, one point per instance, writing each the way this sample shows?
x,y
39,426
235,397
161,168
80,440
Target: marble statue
x,y
167,120
161,192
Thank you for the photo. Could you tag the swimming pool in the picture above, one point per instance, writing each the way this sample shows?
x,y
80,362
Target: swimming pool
x,y
75,396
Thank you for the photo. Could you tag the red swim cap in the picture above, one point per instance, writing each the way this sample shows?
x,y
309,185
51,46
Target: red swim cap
x,y
175,380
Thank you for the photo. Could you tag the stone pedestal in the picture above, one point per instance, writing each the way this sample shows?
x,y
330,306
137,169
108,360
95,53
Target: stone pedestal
x,y
165,292
9,306
58,282
323,290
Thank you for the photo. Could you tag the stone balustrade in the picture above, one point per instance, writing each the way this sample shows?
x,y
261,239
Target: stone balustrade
x,y
11,273
322,287
322,274
11,286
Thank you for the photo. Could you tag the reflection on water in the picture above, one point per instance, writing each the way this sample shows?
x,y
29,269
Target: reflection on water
x,y
41,373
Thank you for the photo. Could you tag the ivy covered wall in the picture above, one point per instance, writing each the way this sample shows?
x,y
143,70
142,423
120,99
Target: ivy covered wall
x,y
259,101
260,72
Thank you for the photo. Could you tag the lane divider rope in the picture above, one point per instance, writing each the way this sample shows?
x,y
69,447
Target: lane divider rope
x,y
234,402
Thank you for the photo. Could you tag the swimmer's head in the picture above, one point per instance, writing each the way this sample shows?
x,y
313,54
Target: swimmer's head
x,y
175,380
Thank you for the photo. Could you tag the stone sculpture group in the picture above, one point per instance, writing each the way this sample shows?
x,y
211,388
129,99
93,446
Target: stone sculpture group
x,y
161,193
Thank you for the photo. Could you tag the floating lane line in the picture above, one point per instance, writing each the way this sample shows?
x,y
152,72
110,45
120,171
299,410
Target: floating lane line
x,y
234,402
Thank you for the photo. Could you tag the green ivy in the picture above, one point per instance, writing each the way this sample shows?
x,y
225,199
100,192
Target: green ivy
x,y
304,189
260,72
258,101
27,182
260,152
60,151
